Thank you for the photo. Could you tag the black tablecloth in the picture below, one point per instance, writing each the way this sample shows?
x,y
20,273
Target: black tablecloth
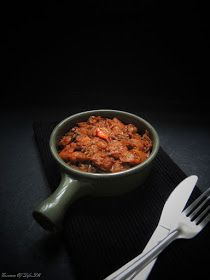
x,y
102,234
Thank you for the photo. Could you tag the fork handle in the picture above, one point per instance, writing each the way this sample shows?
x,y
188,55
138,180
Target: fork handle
x,y
147,257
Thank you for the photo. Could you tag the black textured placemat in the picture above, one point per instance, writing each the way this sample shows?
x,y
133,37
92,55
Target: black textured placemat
x,y
102,234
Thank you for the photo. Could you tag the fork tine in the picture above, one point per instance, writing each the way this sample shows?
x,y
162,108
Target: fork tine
x,y
197,209
193,204
202,214
205,221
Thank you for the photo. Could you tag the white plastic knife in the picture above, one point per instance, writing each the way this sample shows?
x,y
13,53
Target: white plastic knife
x,y
172,208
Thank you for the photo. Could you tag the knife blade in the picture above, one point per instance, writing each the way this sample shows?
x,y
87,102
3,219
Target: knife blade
x,y
172,208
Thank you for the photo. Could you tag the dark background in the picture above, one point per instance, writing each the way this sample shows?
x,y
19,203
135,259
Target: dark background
x,y
154,53
150,59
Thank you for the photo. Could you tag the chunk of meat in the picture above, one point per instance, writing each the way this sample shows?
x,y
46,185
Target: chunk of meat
x,y
83,140
117,166
118,123
102,161
116,149
147,142
68,154
100,143
65,140
133,157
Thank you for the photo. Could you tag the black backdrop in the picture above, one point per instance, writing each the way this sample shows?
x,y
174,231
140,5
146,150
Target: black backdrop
x,y
156,53
59,59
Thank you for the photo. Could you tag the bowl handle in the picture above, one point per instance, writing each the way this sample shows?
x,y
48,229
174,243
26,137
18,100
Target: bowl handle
x,y
50,213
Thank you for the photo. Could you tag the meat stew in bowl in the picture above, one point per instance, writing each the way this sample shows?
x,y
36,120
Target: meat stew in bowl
x,y
104,145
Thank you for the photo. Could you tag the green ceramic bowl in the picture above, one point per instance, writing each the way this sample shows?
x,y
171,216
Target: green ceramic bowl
x,y
74,183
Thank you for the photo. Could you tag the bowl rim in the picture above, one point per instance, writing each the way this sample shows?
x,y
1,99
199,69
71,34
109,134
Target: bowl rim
x,y
86,175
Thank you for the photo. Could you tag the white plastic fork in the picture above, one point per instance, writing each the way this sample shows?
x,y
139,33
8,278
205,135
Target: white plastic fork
x,y
187,226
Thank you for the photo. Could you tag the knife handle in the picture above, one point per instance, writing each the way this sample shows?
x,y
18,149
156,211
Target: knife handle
x,y
159,234
147,257
144,273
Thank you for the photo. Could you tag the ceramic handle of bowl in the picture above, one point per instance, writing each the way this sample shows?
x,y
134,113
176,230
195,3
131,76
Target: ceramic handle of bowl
x,y
50,213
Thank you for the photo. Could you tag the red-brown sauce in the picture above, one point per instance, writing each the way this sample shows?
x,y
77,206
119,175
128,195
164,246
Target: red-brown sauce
x,y
103,145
